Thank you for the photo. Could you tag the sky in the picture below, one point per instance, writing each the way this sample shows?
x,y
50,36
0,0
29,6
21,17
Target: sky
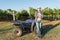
x,y
25,4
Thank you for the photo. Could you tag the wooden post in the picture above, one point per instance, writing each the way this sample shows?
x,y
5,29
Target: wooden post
x,y
13,16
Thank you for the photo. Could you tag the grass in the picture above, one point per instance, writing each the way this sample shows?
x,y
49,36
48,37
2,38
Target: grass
x,y
51,31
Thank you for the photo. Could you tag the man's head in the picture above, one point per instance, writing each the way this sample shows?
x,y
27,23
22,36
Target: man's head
x,y
39,9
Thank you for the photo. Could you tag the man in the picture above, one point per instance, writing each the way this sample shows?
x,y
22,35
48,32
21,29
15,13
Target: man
x,y
38,19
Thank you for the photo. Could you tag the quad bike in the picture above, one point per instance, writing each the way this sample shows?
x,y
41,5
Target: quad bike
x,y
21,26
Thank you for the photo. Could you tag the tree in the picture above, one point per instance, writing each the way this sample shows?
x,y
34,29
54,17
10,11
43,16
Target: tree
x,y
32,11
12,12
18,14
51,13
55,11
58,13
45,11
1,11
48,12
24,14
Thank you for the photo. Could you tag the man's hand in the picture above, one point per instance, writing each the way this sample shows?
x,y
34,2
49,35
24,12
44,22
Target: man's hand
x,y
40,17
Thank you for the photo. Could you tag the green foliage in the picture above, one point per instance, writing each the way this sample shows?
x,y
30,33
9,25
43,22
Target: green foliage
x,y
17,15
32,11
1,11
51,14
24,13
48,13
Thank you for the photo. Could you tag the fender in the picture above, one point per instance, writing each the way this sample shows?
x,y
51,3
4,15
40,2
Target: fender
x,y
32,26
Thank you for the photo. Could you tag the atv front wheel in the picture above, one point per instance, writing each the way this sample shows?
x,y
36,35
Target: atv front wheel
x,y
17,32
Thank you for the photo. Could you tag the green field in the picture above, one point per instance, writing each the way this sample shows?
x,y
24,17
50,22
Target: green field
x,y
51,31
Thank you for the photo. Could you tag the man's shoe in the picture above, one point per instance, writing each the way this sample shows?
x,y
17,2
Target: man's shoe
x,y
40,36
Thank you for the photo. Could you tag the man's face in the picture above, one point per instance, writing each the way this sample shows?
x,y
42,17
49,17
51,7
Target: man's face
x,y
38,9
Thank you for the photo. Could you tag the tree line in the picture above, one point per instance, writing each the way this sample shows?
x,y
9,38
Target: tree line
x,y
48,14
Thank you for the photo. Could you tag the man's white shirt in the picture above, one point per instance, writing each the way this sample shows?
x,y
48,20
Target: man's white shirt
x,y
39,16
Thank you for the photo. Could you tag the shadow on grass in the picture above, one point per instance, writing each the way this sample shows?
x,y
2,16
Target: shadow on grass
x,y
47,28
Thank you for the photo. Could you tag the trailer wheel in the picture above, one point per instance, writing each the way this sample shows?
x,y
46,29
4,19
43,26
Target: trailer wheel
x,y
17,32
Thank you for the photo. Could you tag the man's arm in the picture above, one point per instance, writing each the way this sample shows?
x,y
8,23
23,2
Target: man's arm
x,y
35,16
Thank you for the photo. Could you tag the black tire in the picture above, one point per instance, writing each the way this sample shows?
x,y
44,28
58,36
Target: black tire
x,y
17,32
